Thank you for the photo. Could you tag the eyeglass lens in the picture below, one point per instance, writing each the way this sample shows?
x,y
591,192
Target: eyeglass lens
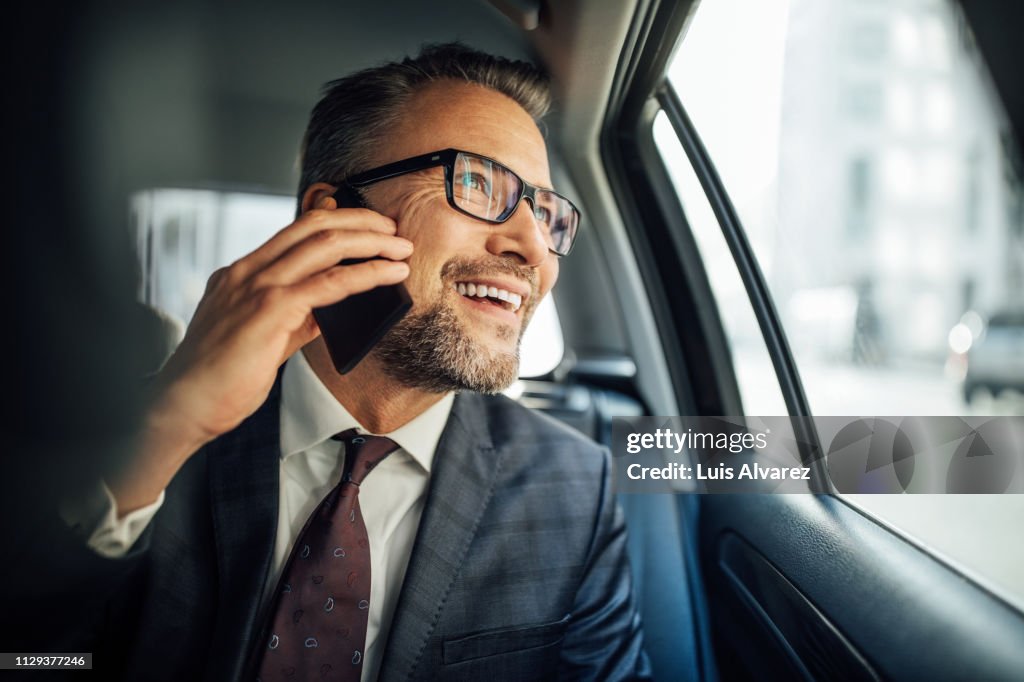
x,y
490,191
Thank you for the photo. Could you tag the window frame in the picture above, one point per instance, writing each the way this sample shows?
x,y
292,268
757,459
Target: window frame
x,y
702,370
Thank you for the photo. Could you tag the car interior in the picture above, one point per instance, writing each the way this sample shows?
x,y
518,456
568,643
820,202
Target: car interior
x,y
119,106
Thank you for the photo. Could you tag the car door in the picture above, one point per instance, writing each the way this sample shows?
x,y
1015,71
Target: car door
x,y
822,585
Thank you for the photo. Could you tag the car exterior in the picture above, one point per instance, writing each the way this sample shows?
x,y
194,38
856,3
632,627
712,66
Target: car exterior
x,y
995,362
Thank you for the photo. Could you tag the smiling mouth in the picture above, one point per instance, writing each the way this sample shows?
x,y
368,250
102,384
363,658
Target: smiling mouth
x,y
481,292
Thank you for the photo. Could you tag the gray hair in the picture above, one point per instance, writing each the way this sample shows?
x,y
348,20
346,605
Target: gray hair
x,y
356,112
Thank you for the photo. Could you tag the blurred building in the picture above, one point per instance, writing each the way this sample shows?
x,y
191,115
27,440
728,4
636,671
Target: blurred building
x,y
893,144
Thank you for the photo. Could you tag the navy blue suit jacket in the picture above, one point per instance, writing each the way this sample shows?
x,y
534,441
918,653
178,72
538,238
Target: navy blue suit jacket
x,y
518,571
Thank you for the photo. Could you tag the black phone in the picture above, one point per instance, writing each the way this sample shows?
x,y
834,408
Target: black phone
x,y
352,327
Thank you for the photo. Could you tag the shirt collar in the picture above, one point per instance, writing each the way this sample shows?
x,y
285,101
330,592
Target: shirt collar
x,y
310,415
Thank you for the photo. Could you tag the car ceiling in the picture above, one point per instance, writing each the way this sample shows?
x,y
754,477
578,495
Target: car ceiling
x,y
190,92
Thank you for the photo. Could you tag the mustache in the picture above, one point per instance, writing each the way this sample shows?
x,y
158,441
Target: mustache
x,y
462,269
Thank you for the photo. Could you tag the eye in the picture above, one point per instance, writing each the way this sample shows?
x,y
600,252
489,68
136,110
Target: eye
x,y
543,215
475,182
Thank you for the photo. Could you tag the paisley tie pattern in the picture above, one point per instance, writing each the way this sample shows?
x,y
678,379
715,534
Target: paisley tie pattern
x,y
318,631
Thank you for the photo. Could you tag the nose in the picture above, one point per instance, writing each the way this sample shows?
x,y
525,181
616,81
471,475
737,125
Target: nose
x,y
520,236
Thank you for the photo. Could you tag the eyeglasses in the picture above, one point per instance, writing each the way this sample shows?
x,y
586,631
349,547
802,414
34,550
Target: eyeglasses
x,y
483,188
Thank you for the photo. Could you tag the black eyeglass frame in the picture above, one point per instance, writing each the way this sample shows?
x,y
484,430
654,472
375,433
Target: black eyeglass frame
x,y
446,158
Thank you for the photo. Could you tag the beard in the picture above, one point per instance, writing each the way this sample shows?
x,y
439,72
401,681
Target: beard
x,y
433,351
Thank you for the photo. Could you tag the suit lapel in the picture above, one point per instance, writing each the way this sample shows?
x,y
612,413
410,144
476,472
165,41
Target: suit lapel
x,y
244,488
462,482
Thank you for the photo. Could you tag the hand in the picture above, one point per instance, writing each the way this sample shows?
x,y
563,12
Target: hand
x,y
258,311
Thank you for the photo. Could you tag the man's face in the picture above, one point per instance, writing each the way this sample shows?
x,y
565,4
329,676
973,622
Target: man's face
x,y
451,340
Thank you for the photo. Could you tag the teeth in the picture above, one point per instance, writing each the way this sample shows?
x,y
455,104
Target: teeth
x,y
471,289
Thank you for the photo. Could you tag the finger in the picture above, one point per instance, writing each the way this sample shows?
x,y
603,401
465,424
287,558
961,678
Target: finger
x,y
303,335
325,249
342,281
314,221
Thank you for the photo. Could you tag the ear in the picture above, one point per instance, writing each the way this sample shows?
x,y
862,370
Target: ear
x,y
315,193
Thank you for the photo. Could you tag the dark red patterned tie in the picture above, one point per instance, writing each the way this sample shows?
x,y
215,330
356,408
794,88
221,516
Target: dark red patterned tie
x,y
318,630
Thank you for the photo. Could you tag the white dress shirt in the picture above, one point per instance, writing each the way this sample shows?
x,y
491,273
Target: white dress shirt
x,y
391,498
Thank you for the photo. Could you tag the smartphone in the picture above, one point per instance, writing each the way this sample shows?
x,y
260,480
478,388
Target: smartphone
x,y
352,327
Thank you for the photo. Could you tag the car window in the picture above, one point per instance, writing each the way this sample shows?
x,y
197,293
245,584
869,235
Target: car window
x,y
863,149
183,235
871,165
755,375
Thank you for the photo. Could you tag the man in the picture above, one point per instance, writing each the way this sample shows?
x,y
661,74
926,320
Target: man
x,y
492,546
